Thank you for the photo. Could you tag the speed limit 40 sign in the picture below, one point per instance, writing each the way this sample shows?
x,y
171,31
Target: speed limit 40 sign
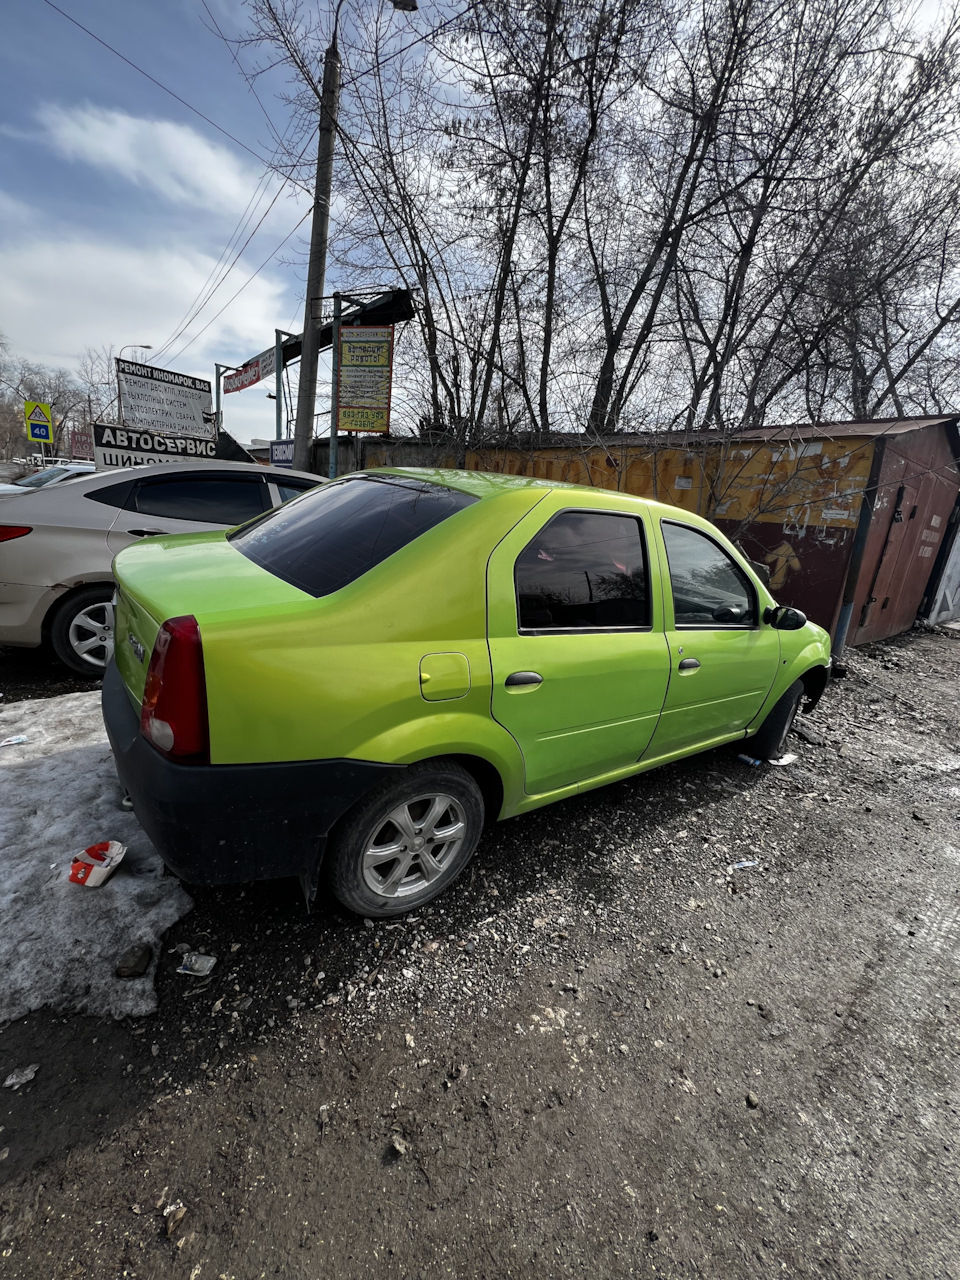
x,y
39,422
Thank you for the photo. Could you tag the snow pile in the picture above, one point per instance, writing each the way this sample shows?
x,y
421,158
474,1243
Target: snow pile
x,y
60,942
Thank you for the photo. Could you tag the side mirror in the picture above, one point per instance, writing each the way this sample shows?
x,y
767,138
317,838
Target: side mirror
x,y
784,618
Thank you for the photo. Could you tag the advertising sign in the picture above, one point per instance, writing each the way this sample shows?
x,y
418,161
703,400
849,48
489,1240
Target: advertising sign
x,y
281,453
262,366
364,378
115,446
81,442
39,421
159,400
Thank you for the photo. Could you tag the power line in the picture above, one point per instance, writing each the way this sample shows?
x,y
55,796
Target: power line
x,y
234,297
247,79
206,293
183,102
428,35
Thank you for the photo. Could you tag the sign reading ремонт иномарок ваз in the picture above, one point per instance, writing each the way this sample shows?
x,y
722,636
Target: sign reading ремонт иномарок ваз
x,y
159,400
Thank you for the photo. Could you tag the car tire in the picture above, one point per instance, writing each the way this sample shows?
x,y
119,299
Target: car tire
x,y
376,862
81,630
771,739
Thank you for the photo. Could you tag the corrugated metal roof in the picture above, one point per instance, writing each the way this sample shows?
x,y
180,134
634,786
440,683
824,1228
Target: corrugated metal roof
x,y
870,429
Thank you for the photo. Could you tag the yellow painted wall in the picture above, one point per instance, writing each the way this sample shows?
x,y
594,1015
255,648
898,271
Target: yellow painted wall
x,y
802,485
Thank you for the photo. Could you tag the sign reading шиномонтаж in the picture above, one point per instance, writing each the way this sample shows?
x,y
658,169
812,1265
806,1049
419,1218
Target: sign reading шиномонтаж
x,y
364,378
120,447
174,404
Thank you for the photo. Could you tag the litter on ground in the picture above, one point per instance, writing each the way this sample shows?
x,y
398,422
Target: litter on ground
x,y
59,947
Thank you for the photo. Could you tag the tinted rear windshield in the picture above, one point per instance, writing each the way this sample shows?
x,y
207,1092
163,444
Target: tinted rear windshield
x,y
328,538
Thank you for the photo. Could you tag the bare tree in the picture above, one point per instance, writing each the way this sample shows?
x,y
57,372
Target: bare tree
x,y
22,380
621,214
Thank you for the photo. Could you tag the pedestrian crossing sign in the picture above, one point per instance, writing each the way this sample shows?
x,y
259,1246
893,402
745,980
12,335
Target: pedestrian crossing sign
x,y
39,422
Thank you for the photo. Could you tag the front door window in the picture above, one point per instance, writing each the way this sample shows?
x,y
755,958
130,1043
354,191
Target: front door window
x,y
709,589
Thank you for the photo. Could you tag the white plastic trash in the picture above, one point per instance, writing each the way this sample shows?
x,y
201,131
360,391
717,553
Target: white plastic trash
x,y
97,863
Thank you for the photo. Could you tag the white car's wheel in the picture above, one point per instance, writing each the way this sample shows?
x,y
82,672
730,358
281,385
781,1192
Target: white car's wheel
x,y
81,631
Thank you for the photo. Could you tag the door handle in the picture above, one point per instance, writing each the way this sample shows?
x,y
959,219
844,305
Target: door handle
x,y
520,678
688,664
147,533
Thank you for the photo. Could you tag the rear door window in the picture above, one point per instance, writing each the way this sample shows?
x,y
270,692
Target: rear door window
x,y
206,499
584,571
288,489
341,530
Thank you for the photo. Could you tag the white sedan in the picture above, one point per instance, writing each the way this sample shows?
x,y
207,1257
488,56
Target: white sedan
x,y
46,476
57,543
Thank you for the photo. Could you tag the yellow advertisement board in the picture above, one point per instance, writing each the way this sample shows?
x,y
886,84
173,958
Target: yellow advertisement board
x,y
365,378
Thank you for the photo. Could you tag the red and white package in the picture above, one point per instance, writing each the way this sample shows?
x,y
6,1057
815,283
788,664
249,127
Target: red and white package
x,y
97,863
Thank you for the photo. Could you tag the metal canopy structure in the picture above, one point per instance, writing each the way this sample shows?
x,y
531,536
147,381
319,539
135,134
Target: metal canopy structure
x,y
390,307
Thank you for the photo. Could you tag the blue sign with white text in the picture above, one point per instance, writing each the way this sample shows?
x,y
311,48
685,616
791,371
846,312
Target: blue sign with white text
x,y
281,453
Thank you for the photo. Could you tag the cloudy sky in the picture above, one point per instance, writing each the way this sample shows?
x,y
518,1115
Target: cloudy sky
x,y
122,211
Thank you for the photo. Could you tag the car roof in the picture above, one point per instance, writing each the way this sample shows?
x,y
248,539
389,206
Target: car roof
x,y
93,480
490,484
481,484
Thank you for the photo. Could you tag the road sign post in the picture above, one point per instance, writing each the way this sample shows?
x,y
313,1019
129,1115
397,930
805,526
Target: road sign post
x,y
39,420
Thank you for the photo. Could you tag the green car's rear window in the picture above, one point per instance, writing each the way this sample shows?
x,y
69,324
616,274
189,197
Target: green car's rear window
x,y
329,537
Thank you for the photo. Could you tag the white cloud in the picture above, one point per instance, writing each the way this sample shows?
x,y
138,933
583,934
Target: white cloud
x,y
61,296
14,212
171,159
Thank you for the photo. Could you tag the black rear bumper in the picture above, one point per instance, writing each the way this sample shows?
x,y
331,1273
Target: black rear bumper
x,y
226,823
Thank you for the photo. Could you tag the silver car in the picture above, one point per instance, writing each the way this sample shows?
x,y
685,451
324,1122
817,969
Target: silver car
x,y
46,476
57,543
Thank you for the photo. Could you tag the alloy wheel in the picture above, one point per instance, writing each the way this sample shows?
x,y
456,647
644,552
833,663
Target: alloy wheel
x,y
413,845
90,634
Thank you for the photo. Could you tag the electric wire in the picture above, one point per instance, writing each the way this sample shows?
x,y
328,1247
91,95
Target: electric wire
x,y
248,280
246,77
183,102
427,36
209,289
205,292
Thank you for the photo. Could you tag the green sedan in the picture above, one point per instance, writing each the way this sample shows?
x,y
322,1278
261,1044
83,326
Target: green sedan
x,y
346,688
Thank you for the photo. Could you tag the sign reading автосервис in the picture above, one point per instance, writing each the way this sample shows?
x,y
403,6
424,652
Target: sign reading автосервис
x,y
174,404
124,447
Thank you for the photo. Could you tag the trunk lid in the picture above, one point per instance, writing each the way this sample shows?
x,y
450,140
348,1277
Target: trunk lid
x,y
198,574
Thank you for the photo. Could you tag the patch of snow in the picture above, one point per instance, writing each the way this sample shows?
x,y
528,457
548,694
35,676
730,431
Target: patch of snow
x,y
60,942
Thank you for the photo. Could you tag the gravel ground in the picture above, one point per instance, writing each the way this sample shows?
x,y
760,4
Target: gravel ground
x,y
609,1050
36,673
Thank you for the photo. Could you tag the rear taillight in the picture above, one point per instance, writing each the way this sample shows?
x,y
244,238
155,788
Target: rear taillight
x,y
10,531
173,714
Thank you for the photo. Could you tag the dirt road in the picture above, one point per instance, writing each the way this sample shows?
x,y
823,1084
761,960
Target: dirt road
x,y
604,1053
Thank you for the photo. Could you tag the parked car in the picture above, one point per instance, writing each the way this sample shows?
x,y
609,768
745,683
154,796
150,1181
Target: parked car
x,y
350,685
57,543
46,476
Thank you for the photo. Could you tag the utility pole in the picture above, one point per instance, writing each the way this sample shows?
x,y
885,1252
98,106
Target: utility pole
x,y
307,391
317,268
